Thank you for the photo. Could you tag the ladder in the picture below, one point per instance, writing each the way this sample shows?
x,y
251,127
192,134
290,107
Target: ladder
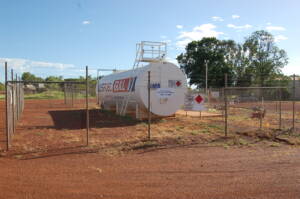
x,y
136,63
146,51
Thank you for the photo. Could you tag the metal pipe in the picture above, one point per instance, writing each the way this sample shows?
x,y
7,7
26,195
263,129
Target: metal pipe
x,y
261,116
17,97
20,99
72,95
47,82
226,106
13,102
279,108
149,111
234,88
6,109
87,106
206,76
65,97
294,98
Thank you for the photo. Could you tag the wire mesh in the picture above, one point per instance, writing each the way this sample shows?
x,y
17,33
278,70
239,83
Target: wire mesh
x,y
259,108
15,107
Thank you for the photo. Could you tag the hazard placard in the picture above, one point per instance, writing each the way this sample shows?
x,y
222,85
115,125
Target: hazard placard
x,y
194,102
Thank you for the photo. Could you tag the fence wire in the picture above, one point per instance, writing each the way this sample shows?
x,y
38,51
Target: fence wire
x,y
259,108
15,107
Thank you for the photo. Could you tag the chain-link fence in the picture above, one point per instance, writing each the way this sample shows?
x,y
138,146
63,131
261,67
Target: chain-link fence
x,y
52,110
259,108
75,93
14,105
249,109
56,114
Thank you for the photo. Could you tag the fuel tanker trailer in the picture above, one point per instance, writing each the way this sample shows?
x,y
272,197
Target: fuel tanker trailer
x,y
127,91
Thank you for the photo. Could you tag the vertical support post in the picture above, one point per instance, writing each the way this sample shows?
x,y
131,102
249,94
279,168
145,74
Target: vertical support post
x,y
206,77
226,80
87,105
65,97
6,109
294,98
117,107
137,113
261,115
149,111
97,92
72,94
260,122
13,101
279,108
17,97
20,97
226,106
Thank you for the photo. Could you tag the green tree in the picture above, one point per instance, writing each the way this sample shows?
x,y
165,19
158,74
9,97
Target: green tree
x,y
27,76
262,58
92,83
2,87
256,62
54,79
217,54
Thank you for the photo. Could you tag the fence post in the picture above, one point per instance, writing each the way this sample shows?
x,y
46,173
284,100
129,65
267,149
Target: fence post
x,y
226,106
13,101
149,113
87,105
20,101
17,97
294,98
6,109
72,94
65,97
280,108
261,116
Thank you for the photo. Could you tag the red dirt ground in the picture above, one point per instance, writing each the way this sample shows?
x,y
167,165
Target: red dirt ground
x,y
185,172
2,125
48,159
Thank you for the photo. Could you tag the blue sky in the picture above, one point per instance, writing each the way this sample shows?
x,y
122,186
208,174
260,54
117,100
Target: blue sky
x,y
60,37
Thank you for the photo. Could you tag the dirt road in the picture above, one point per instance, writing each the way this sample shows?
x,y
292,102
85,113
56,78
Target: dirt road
x,y
183,172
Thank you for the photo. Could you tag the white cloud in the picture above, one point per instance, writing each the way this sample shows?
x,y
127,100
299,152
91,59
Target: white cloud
x,y
269,23
292,67
247,26
235,16
163,36
172,60
86,22
23,65
198,32
179,26
168,41
216,18
276,28
279,38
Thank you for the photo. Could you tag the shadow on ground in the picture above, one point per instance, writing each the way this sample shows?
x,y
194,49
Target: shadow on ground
x,y
76,119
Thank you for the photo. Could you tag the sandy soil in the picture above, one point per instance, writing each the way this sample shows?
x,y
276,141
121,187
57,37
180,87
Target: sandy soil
x,y
199,114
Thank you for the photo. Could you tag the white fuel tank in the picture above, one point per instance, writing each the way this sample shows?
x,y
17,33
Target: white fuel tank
x,y
167,82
